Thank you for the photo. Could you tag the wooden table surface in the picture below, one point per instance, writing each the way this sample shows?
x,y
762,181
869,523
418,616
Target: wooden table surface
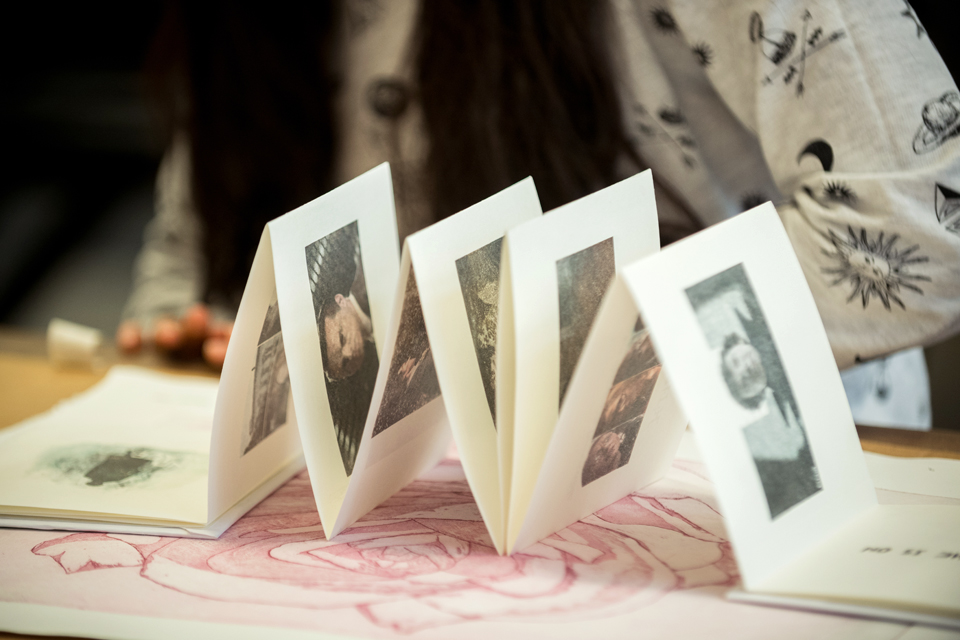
x,y
30,384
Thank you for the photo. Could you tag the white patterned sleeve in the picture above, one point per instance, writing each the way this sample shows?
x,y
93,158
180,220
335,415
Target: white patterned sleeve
x,y
858,120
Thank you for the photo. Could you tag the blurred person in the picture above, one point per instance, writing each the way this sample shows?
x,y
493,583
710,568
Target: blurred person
x,y
730,103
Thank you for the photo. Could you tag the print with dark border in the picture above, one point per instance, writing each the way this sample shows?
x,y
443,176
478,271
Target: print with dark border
x,y
730,316
345,332
412,380
582,279
624,409
479,274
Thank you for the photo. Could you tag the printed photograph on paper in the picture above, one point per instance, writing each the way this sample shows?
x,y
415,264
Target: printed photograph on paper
x,y
347,346
479,274
624,408
733,323
412,381
582,279
271,382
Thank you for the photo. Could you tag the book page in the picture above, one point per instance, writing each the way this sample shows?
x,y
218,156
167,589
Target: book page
x,y
741,341
255,426
133,448
561,264
407,430
891,556
336,260
457,264
618,429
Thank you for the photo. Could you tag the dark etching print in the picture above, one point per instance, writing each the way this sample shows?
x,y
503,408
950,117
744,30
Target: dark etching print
x,y
347,348
412,381
271,382
788,52
941,122
623,412
479,274
947,205
734,326
112,466
873,267
582,279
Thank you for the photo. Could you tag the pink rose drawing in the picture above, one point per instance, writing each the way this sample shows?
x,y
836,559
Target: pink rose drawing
x,y
423,558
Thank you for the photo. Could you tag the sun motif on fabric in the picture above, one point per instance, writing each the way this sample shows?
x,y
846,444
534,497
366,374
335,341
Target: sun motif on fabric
x,y
874,268
703,53
839,192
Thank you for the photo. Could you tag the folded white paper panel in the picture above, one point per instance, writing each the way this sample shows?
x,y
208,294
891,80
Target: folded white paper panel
x,y
406,430
742,343
618,429
457,266
560,266
336,261
255,425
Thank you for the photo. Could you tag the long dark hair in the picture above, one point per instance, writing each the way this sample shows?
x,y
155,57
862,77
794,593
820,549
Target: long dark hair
x,y
515,88
508,88
252,84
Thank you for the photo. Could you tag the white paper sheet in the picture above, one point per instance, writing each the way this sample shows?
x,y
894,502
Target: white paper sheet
x,y
742,343
560,266
457,265
133,448
789,470
336,262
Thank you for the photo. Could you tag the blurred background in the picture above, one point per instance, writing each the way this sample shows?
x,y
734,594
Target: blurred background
x,y
82,143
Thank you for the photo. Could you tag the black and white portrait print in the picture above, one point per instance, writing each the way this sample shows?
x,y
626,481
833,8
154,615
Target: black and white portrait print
x,y
729,314
582,279
347,347
479,273
624,409
271,382
412,381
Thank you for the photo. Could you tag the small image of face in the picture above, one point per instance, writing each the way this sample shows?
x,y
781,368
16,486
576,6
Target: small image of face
x,y
628,395
745,377
345,338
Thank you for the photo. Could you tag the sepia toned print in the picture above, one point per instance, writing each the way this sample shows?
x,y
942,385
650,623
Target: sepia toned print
x,y
734,325
412,381
582,279
624,409
347,347
271,382
479,274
